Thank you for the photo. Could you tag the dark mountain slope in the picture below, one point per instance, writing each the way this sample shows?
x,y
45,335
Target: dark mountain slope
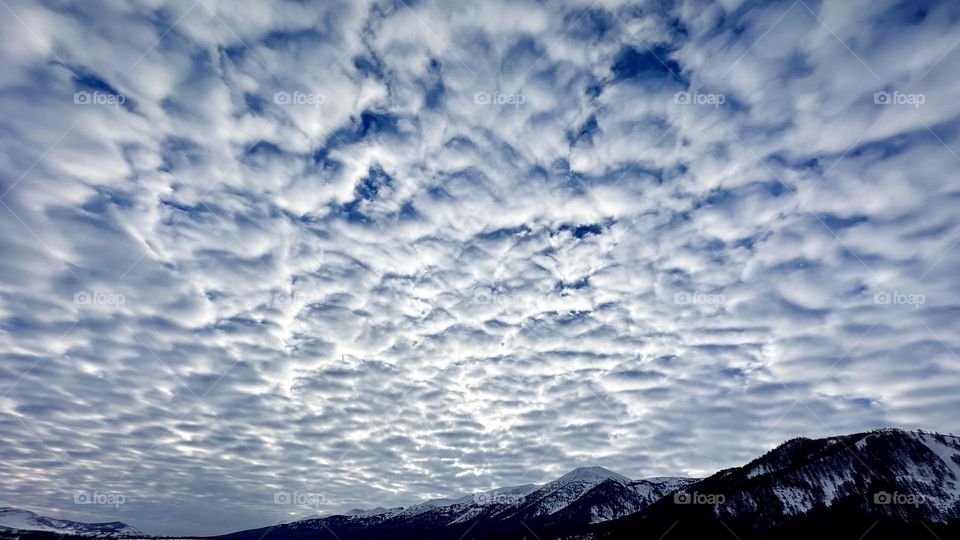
x,y
903,481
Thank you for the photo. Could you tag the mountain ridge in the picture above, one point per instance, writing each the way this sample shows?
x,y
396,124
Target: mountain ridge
x,y
907,480
899,483
18,519
801,483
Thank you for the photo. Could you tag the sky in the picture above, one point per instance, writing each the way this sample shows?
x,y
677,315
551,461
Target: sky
x,y
260,260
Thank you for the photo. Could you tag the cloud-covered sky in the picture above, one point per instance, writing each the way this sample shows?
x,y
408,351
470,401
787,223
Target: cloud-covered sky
x,y
371,252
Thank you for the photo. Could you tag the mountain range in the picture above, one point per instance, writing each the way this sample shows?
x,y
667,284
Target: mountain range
x,y
879,484
579,498
15,519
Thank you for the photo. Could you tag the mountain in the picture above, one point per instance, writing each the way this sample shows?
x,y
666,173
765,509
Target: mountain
x,y
562,492
581,497
612,499
24,520
882,484
893,482
590,495
878,485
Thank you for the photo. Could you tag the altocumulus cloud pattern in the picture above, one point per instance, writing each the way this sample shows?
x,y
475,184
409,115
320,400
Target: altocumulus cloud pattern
x,y
367,252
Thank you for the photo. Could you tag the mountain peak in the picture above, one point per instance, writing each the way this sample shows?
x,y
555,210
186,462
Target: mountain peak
x,y
591,475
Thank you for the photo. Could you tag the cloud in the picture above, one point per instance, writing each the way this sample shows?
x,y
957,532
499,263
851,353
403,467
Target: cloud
x,y
377,252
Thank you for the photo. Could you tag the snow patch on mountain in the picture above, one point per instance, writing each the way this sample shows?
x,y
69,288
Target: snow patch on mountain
x,y
758,470
659,485
607,502
367,513
795,501
947,450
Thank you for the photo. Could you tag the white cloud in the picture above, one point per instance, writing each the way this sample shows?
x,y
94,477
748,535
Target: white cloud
x,y
405,291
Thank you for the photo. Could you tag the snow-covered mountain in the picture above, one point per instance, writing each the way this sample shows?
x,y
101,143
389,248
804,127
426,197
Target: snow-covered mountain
x,y
580,497
533,503
896,483
891,483
592,495
612,499
367,513
893,472
24,520
562,492
906,481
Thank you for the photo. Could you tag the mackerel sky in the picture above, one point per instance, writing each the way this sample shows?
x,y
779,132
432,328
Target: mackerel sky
x,y
370,252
